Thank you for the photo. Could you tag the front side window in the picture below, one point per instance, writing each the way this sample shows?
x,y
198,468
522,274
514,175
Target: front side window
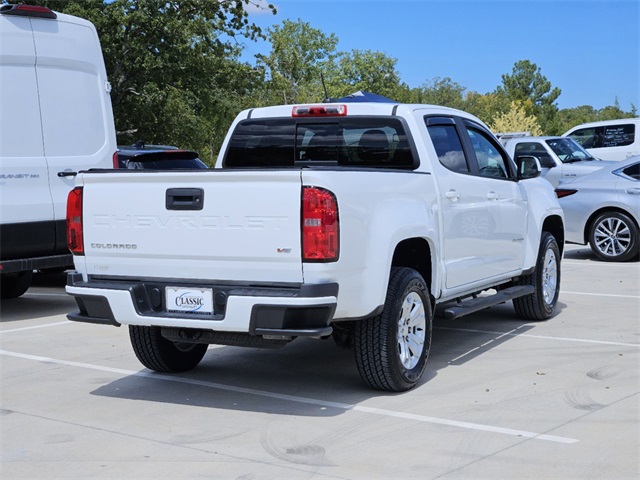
x,y
491,162
632,171
288,142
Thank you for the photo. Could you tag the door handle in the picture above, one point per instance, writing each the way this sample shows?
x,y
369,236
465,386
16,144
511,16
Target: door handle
x,y
67,173
633,191
452,195
492,196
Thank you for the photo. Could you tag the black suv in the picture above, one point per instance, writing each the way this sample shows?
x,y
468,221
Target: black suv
x,y
157,157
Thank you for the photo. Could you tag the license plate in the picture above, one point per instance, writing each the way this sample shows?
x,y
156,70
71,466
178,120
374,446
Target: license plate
x,y
197,301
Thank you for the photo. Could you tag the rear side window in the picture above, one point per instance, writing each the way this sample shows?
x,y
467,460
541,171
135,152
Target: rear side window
x,y
288,142
448,147
537,150
607,136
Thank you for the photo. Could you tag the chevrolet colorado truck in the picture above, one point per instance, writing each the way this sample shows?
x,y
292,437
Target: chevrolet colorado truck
x,y
353,221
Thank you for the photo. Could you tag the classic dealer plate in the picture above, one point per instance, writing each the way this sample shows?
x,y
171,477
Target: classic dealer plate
x,y
197,301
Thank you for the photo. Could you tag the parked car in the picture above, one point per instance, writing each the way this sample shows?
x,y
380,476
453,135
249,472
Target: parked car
x,y
561,158
157,157
603,209
609,139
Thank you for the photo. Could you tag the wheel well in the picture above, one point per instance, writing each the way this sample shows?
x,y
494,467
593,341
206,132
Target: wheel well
x,y
555,227
587,225
414,253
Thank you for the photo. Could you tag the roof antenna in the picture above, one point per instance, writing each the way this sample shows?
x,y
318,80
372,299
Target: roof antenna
x,y
326,99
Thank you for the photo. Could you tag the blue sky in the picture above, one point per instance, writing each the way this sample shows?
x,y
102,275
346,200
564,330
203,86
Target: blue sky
x,y
590,49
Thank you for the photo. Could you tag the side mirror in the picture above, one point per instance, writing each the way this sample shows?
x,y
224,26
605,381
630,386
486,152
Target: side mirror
x,y
528,167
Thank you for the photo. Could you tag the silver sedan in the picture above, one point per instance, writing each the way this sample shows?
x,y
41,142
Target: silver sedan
x,y
603,209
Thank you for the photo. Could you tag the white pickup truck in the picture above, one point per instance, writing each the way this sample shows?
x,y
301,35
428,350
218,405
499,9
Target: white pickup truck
x,y
357,221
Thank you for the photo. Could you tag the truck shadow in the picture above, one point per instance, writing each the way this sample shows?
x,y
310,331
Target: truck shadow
x,y
308,377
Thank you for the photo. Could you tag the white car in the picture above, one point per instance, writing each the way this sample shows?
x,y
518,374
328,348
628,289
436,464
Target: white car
x,y
609,139
561,158
603,209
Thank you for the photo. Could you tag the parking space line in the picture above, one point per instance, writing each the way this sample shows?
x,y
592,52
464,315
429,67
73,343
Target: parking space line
x,y
542,337
297,399
45,325
636,297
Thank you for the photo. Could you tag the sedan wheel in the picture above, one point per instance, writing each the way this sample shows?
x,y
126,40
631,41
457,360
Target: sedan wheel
x,y
614,237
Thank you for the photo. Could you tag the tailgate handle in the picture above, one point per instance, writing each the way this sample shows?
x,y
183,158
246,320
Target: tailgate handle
x,y
185,199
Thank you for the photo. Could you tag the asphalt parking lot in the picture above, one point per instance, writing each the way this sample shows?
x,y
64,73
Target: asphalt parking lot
x,y
501,398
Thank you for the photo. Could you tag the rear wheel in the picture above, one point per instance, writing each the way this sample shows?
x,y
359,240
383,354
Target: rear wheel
x,y
392,349
157,353
545,280
13,285
613,237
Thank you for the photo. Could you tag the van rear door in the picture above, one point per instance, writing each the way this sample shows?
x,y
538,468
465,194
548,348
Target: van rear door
x,y
25,207
77,119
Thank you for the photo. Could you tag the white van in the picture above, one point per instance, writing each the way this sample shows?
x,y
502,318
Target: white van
x,y
55,120
609,139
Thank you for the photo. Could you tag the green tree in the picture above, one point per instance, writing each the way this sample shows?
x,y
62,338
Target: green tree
x,y
526,82
438,91
299,54
365,70
173,65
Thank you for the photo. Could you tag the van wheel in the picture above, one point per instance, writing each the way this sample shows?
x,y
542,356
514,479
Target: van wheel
x,y
546,282
13,285
392,348
613,237
157,353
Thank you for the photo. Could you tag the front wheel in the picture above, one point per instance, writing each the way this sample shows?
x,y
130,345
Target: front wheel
x,y
545,280
613,237
157,353
392,348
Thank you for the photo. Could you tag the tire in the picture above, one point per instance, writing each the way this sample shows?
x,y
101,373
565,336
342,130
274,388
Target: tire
x,y
392,348
13,285
613,237
161,355
545,279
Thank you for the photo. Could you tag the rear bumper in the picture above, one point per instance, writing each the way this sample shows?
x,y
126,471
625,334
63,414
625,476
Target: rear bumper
x,y
303,310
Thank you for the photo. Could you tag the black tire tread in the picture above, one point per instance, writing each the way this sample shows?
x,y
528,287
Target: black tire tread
x,y
371,338
159,354
531,307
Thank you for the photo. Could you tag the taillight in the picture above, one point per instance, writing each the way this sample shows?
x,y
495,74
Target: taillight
x,y
74,222
116,164
320,225
564,192
319,111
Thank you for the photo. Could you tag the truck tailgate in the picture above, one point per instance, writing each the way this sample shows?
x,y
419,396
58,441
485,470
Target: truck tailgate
x,y
216,225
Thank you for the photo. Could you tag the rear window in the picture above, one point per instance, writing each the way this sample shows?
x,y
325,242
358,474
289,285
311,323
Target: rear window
x,y
289,142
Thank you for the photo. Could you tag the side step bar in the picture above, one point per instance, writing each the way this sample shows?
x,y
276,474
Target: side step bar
x,y
451,311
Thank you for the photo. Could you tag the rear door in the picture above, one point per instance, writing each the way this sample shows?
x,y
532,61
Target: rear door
x,y
483,209
25,200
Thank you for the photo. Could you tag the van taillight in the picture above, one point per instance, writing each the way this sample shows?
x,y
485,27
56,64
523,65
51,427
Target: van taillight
x,y
320,225
116,164
74,222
